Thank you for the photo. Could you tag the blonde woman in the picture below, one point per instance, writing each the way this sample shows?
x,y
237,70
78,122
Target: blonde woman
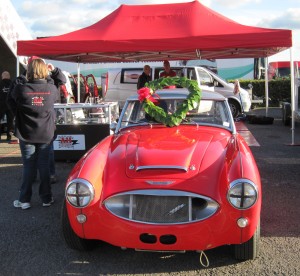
x,y
32,103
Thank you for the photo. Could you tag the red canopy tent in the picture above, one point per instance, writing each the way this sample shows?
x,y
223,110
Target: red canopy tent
x,y
183,31
156,32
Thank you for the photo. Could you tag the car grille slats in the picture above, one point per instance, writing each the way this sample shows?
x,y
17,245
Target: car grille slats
x,y
160,209
161,206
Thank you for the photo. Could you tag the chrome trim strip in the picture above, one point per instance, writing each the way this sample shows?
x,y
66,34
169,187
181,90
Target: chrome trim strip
x,y
130,207
153,182
161,167
190,209
158,192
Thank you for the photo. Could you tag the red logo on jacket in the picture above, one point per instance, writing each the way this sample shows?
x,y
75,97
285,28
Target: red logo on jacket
x,y
37,101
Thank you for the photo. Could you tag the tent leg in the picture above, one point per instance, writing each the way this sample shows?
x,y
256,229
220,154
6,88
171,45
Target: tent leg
x,y
292,95
18,67
78,82
266,86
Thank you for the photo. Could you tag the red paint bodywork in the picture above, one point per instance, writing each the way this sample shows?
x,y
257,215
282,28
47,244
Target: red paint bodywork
x,y
219,156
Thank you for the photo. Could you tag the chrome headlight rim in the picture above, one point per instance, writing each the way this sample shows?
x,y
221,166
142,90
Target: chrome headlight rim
x,y
83,183
242,182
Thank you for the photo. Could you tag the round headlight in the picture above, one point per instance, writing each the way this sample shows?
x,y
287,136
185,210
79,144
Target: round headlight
x,y
79,193
242,194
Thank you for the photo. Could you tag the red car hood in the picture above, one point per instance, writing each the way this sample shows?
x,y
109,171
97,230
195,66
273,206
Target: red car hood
x,y
162,152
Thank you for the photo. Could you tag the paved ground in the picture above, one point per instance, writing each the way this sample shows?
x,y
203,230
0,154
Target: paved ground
x,y
31,241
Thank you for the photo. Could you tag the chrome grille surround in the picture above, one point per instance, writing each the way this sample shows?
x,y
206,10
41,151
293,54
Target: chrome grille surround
x,y
163,207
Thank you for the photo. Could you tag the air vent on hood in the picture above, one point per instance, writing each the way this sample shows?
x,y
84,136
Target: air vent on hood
x,y
159,167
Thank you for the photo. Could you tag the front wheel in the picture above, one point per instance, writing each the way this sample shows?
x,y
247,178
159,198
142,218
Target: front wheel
x,y
234,107
249,249
72,240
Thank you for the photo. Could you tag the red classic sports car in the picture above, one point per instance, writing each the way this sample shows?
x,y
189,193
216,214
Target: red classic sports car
x,y
192,186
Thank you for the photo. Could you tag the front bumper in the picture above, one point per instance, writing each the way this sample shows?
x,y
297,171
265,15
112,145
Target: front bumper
x,y
218,230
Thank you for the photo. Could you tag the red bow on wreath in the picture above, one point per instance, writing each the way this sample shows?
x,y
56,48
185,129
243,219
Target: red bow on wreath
x,y
145,93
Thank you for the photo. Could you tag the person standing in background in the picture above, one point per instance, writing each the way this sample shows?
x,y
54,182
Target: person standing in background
x,y
58,81
56,77
4,110
144,77
32,103
167,72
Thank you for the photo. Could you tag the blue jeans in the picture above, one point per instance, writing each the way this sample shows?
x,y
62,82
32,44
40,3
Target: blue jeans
x,y
52,160
35,158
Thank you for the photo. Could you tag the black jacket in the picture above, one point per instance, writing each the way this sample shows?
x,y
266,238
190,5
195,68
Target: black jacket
x,y
32,104
142,80
57,78
4,89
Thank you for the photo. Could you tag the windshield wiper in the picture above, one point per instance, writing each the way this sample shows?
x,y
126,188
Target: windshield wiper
x,y
189,121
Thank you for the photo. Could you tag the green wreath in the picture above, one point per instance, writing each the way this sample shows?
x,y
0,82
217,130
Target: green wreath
x,y
146,95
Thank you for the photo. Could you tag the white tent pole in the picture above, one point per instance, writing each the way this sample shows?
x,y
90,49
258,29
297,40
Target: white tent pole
x,y
17,67
267,85
78,81
292,95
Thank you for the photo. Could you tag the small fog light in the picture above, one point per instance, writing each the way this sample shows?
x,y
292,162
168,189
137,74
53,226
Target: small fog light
x,y
81,218
242,222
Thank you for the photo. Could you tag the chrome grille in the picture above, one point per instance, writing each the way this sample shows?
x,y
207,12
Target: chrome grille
x,y
161,209
161,206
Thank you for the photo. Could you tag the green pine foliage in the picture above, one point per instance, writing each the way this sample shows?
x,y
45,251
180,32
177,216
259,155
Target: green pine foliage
x,y
188,104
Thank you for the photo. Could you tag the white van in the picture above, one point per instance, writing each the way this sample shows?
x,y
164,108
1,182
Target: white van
x,y
119,84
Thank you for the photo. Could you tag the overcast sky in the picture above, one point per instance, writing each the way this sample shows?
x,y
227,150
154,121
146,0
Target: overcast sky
x,y
55,17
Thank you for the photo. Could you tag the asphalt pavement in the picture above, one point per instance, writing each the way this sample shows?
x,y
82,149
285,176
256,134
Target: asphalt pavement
x,y
31,241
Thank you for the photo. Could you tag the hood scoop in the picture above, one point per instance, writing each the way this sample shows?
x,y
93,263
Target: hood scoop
x,y
162,167
167,153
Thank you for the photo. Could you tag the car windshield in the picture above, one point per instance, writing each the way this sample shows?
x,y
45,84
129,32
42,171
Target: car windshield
x,y
208,112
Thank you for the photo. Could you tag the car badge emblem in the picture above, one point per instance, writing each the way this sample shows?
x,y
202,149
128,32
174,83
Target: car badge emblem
x,y
176,209
131,167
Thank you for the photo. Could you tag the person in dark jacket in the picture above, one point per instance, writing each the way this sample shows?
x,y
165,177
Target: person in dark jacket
x,y
56,77
144,77
4,110
32,104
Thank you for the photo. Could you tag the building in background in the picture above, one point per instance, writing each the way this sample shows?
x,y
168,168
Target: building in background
x,y
12,29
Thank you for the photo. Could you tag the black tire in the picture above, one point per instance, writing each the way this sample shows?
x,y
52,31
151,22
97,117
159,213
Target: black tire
x,y
234,107
286,114
71,239
249,249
